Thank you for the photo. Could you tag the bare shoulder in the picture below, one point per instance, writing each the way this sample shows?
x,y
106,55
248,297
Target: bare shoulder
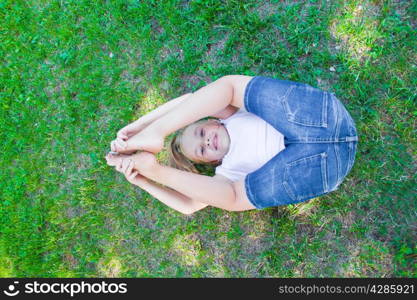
x,y
239,83
242,200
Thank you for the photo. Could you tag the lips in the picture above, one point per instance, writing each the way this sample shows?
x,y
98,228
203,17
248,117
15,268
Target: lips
x,y
215,141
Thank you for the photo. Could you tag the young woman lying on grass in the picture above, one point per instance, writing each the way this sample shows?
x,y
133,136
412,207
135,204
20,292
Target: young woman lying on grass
x,y
274,142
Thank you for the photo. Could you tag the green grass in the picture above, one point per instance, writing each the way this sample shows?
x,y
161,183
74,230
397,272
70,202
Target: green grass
x,y
74,72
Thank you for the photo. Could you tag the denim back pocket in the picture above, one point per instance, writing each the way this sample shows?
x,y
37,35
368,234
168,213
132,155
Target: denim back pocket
x,y
305,105
307,177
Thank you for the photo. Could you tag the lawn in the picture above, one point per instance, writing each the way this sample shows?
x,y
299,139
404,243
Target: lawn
x,y
74,72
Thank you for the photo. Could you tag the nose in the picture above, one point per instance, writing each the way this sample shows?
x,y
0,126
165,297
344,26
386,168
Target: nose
x,y
208,141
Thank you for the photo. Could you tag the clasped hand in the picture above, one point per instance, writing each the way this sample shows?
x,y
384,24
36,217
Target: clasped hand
x,y
134,166
133,137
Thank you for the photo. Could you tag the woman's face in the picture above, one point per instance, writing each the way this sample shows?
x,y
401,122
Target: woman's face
x,y
205,141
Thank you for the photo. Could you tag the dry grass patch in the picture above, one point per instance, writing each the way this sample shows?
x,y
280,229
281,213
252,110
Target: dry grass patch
x,y
367,258
357,30
187,249
109,267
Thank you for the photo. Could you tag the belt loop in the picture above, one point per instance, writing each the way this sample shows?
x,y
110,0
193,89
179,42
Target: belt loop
x,y
351,138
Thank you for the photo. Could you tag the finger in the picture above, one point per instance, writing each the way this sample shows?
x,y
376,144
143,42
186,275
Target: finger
x,y
108,158
116,146
129,168
122,135
134,174
130,173
123,166
121,143
126,164
119,166
112,146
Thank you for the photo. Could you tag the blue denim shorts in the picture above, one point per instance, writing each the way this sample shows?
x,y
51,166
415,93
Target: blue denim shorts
x,y
320,138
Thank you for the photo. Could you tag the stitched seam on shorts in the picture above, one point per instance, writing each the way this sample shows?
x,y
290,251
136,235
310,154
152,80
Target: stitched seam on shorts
x,y
317,141
249,193
286,186
324,112
296,162
324,171
336,149
247,91
338,120
351,157
283,99
350,146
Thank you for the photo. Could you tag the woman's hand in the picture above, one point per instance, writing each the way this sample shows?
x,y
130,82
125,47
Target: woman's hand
x,y
127,168
145,140
131,129
143,162
125,133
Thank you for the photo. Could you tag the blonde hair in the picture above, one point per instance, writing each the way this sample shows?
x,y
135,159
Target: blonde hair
x,y
178,160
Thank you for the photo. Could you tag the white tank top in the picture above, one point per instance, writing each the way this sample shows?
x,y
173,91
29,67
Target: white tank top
x,y
253,142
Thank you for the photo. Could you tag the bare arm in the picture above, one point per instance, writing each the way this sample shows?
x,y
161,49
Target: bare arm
x,y
162,109
216,191
206,101
202,188
217,98
171,104
130,165
173,198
